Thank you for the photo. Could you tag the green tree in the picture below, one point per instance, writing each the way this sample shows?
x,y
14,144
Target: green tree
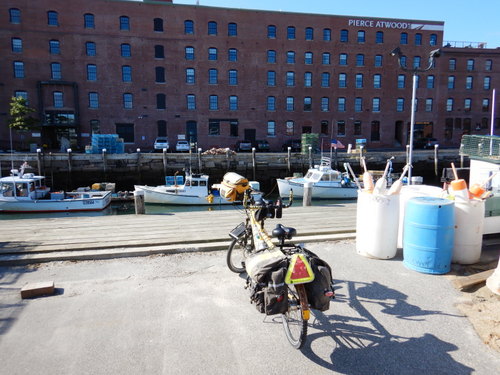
x,y
20,115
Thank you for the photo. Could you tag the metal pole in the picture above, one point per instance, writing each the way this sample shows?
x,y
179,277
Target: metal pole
x,y
412,126
253,162
492,120
199,160
289,152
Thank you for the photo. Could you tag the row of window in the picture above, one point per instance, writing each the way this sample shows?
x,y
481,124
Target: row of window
x,y
232,29
232,77
213,103
125,51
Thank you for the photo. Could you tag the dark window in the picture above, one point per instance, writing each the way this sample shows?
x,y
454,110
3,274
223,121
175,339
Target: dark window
x,y
357,127
378,60
14,15
404,38
90,48
433,40
358,104
159,52
325,79
212,28
325,104
232,54
418,39
233,77
162,128
379,37
190,76
213,127
271,103
52,18
309,33
307,79
55,70
488,65
290,57
308,58
233,103
91,72
95,126
290,32
54,47
430,82
124,23
161,102
191,101
212,53
125,131
361,36
212,76
160,74
125,50
360,59
327,35
307,104
452,64
271,56
188,27
189,53
128,101
93,100
88,21
341,127
232,29
58,100
325,58
344,36
470,65
359,81
16,44
213,102
375,131
126,73
158,25
271,78
343,59
271,31
341,104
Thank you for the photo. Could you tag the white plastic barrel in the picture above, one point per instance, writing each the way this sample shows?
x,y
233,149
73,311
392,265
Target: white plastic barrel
x,y
413,191
469,221
377,225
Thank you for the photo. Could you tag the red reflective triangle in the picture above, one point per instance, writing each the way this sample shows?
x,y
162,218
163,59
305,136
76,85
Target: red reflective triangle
x,y
299,270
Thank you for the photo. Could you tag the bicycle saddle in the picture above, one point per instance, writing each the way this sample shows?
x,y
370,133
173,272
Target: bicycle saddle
x,y
283,232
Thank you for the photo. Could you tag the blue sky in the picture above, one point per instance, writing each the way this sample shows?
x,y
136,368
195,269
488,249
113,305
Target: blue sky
x,y
465,20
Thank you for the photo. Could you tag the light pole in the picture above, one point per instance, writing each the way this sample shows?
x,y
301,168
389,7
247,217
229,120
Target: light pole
x,y
415,70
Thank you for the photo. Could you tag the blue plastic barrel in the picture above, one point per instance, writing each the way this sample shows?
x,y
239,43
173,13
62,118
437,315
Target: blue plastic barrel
x,y
429,229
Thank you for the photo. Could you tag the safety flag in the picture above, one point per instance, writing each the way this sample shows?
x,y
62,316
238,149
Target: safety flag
x,y
336,144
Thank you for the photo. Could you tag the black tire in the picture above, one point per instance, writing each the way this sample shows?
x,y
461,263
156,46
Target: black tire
x,y
293,322
236,255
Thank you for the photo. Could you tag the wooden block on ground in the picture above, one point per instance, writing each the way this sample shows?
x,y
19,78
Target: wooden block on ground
x,y
37,289
465,282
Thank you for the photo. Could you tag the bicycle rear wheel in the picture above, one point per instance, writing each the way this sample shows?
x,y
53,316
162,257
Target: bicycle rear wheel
x,y
236,255
294,324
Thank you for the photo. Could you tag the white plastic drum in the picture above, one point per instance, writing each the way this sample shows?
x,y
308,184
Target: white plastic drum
x,y
413,191
469,221
377,225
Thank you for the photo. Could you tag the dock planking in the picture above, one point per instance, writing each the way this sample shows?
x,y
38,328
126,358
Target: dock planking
x,y
25,241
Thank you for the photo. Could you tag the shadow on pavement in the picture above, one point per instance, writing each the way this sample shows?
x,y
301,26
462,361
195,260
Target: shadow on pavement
x,y
376,351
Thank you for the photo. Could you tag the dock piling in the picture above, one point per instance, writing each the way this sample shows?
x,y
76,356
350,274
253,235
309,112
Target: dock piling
x,y
140,207
307,197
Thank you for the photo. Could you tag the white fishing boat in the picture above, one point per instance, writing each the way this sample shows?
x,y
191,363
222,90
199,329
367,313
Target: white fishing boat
x,y
26,192
327,183
195,190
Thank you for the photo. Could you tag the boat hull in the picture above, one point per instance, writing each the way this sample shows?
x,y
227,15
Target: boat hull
x,y
158,196
319,191
19,205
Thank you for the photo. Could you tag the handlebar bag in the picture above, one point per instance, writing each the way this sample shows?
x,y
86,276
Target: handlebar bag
x,y
233,186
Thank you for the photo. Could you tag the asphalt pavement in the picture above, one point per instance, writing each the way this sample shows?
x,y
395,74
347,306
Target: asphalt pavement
x,y
188,314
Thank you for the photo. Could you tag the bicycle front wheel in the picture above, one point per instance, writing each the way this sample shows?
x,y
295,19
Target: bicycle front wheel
x,y
294,324
236,255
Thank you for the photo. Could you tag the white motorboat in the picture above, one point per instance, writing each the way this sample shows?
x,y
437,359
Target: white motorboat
x,y
327,183
195,190
26,192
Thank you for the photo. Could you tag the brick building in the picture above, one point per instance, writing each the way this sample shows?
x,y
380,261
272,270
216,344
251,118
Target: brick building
x,y
144,69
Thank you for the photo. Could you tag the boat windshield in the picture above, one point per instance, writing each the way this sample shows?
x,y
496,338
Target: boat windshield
x,y
7,189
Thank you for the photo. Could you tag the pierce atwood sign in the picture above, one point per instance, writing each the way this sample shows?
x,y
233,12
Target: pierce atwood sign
x,y
391,24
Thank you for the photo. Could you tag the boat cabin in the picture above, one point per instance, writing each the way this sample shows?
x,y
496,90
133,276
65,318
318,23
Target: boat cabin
x,y
26,186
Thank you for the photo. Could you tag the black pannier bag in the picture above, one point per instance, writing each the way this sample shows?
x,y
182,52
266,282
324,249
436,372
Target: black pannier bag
x,y
321,284
276,293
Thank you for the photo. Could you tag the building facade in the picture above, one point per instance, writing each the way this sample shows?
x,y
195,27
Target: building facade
x,y
218,75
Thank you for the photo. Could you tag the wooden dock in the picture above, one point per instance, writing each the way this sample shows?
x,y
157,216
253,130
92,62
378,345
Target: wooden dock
x,y
24,241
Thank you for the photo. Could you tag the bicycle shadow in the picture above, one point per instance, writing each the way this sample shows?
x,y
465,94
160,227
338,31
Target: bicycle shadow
x,y
362,345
